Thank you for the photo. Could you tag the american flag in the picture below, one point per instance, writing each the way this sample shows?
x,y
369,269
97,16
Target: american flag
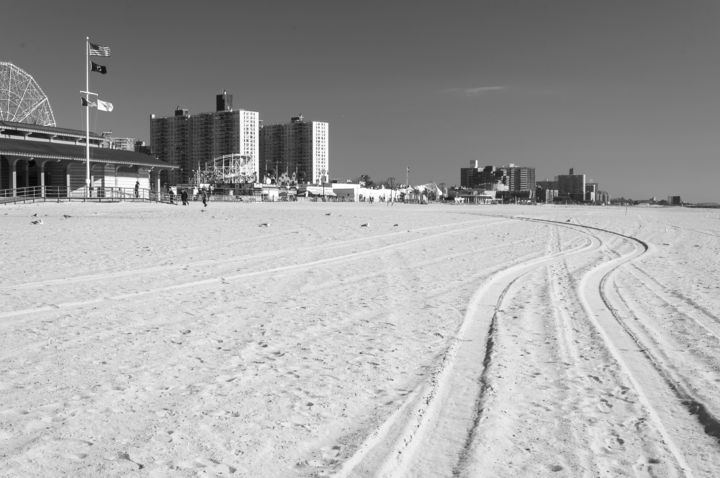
x,y
97,50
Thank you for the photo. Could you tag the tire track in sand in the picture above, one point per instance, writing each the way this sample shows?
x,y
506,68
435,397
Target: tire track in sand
x,y
394,447
227,278
674,411
324,247
450,402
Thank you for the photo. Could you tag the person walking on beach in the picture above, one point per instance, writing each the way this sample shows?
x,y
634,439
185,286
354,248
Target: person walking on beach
x,y
203,195
137,189
184,197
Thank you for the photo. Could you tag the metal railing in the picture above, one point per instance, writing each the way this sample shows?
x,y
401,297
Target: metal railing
x,y
115,194
63,193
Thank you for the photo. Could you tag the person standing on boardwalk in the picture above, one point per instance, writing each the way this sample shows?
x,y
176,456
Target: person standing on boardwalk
x,y
137,189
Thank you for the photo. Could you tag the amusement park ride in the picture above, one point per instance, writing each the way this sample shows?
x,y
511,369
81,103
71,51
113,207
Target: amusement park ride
x,y
236,169
21,98
226,170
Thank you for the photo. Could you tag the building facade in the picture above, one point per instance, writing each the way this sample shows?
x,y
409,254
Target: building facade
x,y
191,142
54,162
299,150
546,191
515,181
572,186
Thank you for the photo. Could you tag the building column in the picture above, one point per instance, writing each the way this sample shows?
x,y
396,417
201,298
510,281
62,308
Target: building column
x,y
41,175
67,179
12,169
26,179
144,173
96,168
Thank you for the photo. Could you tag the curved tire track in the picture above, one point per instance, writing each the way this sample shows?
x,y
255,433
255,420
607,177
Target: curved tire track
x,y
456,385
392,450
669,411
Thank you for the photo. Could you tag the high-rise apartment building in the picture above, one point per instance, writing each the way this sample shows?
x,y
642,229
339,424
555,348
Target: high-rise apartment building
x,y
192,142
299,148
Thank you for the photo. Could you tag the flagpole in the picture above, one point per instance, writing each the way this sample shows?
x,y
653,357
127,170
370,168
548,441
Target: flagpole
x,y
87,118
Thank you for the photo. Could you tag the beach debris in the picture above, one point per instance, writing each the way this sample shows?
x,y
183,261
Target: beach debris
x,y
364,225
39,221
34,215
328,213
67,216
264,224
395,225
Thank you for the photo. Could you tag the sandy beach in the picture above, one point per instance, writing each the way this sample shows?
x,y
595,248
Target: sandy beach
x,y
345,339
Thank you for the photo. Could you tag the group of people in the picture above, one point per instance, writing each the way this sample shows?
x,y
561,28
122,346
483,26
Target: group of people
x,y
184,196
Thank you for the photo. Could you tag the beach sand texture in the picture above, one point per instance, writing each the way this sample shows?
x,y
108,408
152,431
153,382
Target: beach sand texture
x,y
323,339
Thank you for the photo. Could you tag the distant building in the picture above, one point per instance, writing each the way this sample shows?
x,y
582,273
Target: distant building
x,y
521,179
591,191
602,197
194,141
572,186
674,201
468,176
223,102
114,142
546,191
513,181
141,147
298,149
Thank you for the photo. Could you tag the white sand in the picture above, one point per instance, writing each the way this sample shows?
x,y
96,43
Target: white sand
x,y
155,340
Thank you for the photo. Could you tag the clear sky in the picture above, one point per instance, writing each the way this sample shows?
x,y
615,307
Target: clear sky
x,y
625,91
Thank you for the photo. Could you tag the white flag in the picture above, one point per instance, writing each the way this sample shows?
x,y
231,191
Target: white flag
x,y
104,105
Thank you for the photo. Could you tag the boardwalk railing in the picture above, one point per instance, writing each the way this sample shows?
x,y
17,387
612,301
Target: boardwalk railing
x,y
113,194
63,193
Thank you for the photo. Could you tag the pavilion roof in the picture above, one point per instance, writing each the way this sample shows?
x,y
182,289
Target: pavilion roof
x,y
71,152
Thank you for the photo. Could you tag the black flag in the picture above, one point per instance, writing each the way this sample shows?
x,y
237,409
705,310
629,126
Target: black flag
x,y
98,68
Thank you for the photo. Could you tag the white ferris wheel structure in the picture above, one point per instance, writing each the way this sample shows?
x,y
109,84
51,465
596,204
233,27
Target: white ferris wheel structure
x,y
21,98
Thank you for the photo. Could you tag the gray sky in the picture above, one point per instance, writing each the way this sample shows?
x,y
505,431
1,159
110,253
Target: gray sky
x,y
623,91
